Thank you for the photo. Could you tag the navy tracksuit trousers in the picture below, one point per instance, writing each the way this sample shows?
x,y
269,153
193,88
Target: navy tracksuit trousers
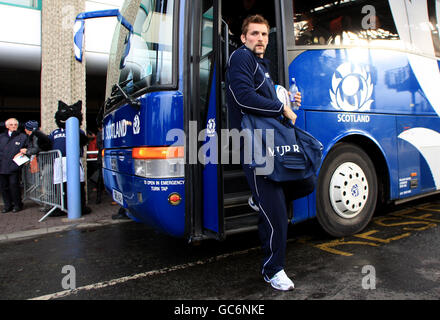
x,y
273,199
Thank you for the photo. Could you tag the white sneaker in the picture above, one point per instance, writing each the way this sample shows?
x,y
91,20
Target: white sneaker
x,y
281,281
252,204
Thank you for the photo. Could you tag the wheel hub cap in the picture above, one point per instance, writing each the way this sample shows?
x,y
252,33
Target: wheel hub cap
x,y
348,190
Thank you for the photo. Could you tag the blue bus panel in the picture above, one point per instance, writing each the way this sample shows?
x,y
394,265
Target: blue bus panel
x,y
147,200
359,80
160,112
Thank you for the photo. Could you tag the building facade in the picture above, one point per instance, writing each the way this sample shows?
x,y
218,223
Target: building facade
x,y
37,66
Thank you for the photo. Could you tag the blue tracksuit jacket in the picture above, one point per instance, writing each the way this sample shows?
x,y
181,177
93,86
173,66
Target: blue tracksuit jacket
x,y
249,88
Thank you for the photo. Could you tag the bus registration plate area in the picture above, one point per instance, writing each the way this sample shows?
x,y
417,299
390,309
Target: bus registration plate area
x,y
114,164
117,196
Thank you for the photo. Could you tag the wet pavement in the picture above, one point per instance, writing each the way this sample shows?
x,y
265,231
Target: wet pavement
x,y
396,257
26,222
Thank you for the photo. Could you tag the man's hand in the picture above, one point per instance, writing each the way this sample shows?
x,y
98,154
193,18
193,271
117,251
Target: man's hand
x,y
289,114
298,98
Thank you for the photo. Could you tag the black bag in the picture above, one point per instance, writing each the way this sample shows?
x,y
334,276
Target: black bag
x,y
294,153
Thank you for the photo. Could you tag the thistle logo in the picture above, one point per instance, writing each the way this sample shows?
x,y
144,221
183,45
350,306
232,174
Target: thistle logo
x,y
211,128
136,125
351,88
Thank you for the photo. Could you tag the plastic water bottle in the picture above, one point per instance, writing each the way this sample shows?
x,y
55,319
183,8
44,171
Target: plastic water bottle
x,y
293,91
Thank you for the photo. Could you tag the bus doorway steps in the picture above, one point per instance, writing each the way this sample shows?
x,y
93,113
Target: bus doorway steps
x,y
241,223
236,199
234,180
239,216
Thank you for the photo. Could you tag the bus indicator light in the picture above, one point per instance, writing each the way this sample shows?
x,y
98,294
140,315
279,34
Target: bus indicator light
x,y
158,153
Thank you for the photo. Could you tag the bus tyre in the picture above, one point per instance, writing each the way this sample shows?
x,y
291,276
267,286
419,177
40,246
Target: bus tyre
x,y
346,194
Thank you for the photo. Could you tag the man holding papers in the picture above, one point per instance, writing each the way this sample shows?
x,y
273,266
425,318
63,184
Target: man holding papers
x,y
11,142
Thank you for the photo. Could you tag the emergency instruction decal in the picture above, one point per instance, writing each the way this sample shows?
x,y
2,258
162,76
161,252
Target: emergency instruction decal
x,y
163,185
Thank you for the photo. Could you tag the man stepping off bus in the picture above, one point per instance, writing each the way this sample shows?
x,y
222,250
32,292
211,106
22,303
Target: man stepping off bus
x,y
250,89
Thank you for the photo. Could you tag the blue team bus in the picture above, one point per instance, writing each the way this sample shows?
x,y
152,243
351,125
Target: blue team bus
x,y
369,75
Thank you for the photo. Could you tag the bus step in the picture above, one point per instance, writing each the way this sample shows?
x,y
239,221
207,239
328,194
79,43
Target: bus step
x,y
234,174
236,199
234,181
241,223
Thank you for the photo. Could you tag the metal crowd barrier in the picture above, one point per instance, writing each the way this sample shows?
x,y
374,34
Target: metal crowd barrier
x,y
41,179
91,153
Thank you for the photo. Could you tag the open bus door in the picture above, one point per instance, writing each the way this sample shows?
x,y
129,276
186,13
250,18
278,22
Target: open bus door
x,y
202,104
217,193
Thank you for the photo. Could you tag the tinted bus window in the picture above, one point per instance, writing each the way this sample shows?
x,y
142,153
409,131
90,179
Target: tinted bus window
x,y
150,60
342,23
206,53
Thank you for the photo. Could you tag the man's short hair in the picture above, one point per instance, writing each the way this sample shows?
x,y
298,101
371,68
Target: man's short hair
x,y
253,19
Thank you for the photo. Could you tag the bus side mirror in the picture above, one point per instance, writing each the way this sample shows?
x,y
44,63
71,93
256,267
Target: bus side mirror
x,y
79,29
78,39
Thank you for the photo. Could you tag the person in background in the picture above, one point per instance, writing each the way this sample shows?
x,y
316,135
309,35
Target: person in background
x,y
100,180
91,156
38,141
11,142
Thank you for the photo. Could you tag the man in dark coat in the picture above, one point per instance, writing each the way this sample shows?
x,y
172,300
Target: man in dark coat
x,y
11,142
38,141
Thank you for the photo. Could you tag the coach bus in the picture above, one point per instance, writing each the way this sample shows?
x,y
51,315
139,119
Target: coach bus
x,y
368,72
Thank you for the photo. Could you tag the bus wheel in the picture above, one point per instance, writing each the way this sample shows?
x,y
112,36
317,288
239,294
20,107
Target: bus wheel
x,y
346,194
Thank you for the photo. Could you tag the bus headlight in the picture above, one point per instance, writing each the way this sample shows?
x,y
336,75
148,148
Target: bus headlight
x,y
159,162
166,168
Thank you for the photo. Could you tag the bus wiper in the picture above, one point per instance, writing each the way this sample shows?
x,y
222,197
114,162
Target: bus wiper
x,y
132,101
116,89
113,100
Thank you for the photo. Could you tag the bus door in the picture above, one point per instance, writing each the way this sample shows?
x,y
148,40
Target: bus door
x,y
204,105
221,193
225,208
238,215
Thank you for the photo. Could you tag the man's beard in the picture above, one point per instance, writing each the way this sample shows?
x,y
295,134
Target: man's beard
x,y
258,50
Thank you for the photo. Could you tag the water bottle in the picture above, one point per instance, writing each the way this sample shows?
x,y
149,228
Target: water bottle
x,y
293,91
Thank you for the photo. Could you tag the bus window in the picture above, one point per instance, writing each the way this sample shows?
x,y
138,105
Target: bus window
x,y
207,27
345,23
206,52
150,61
